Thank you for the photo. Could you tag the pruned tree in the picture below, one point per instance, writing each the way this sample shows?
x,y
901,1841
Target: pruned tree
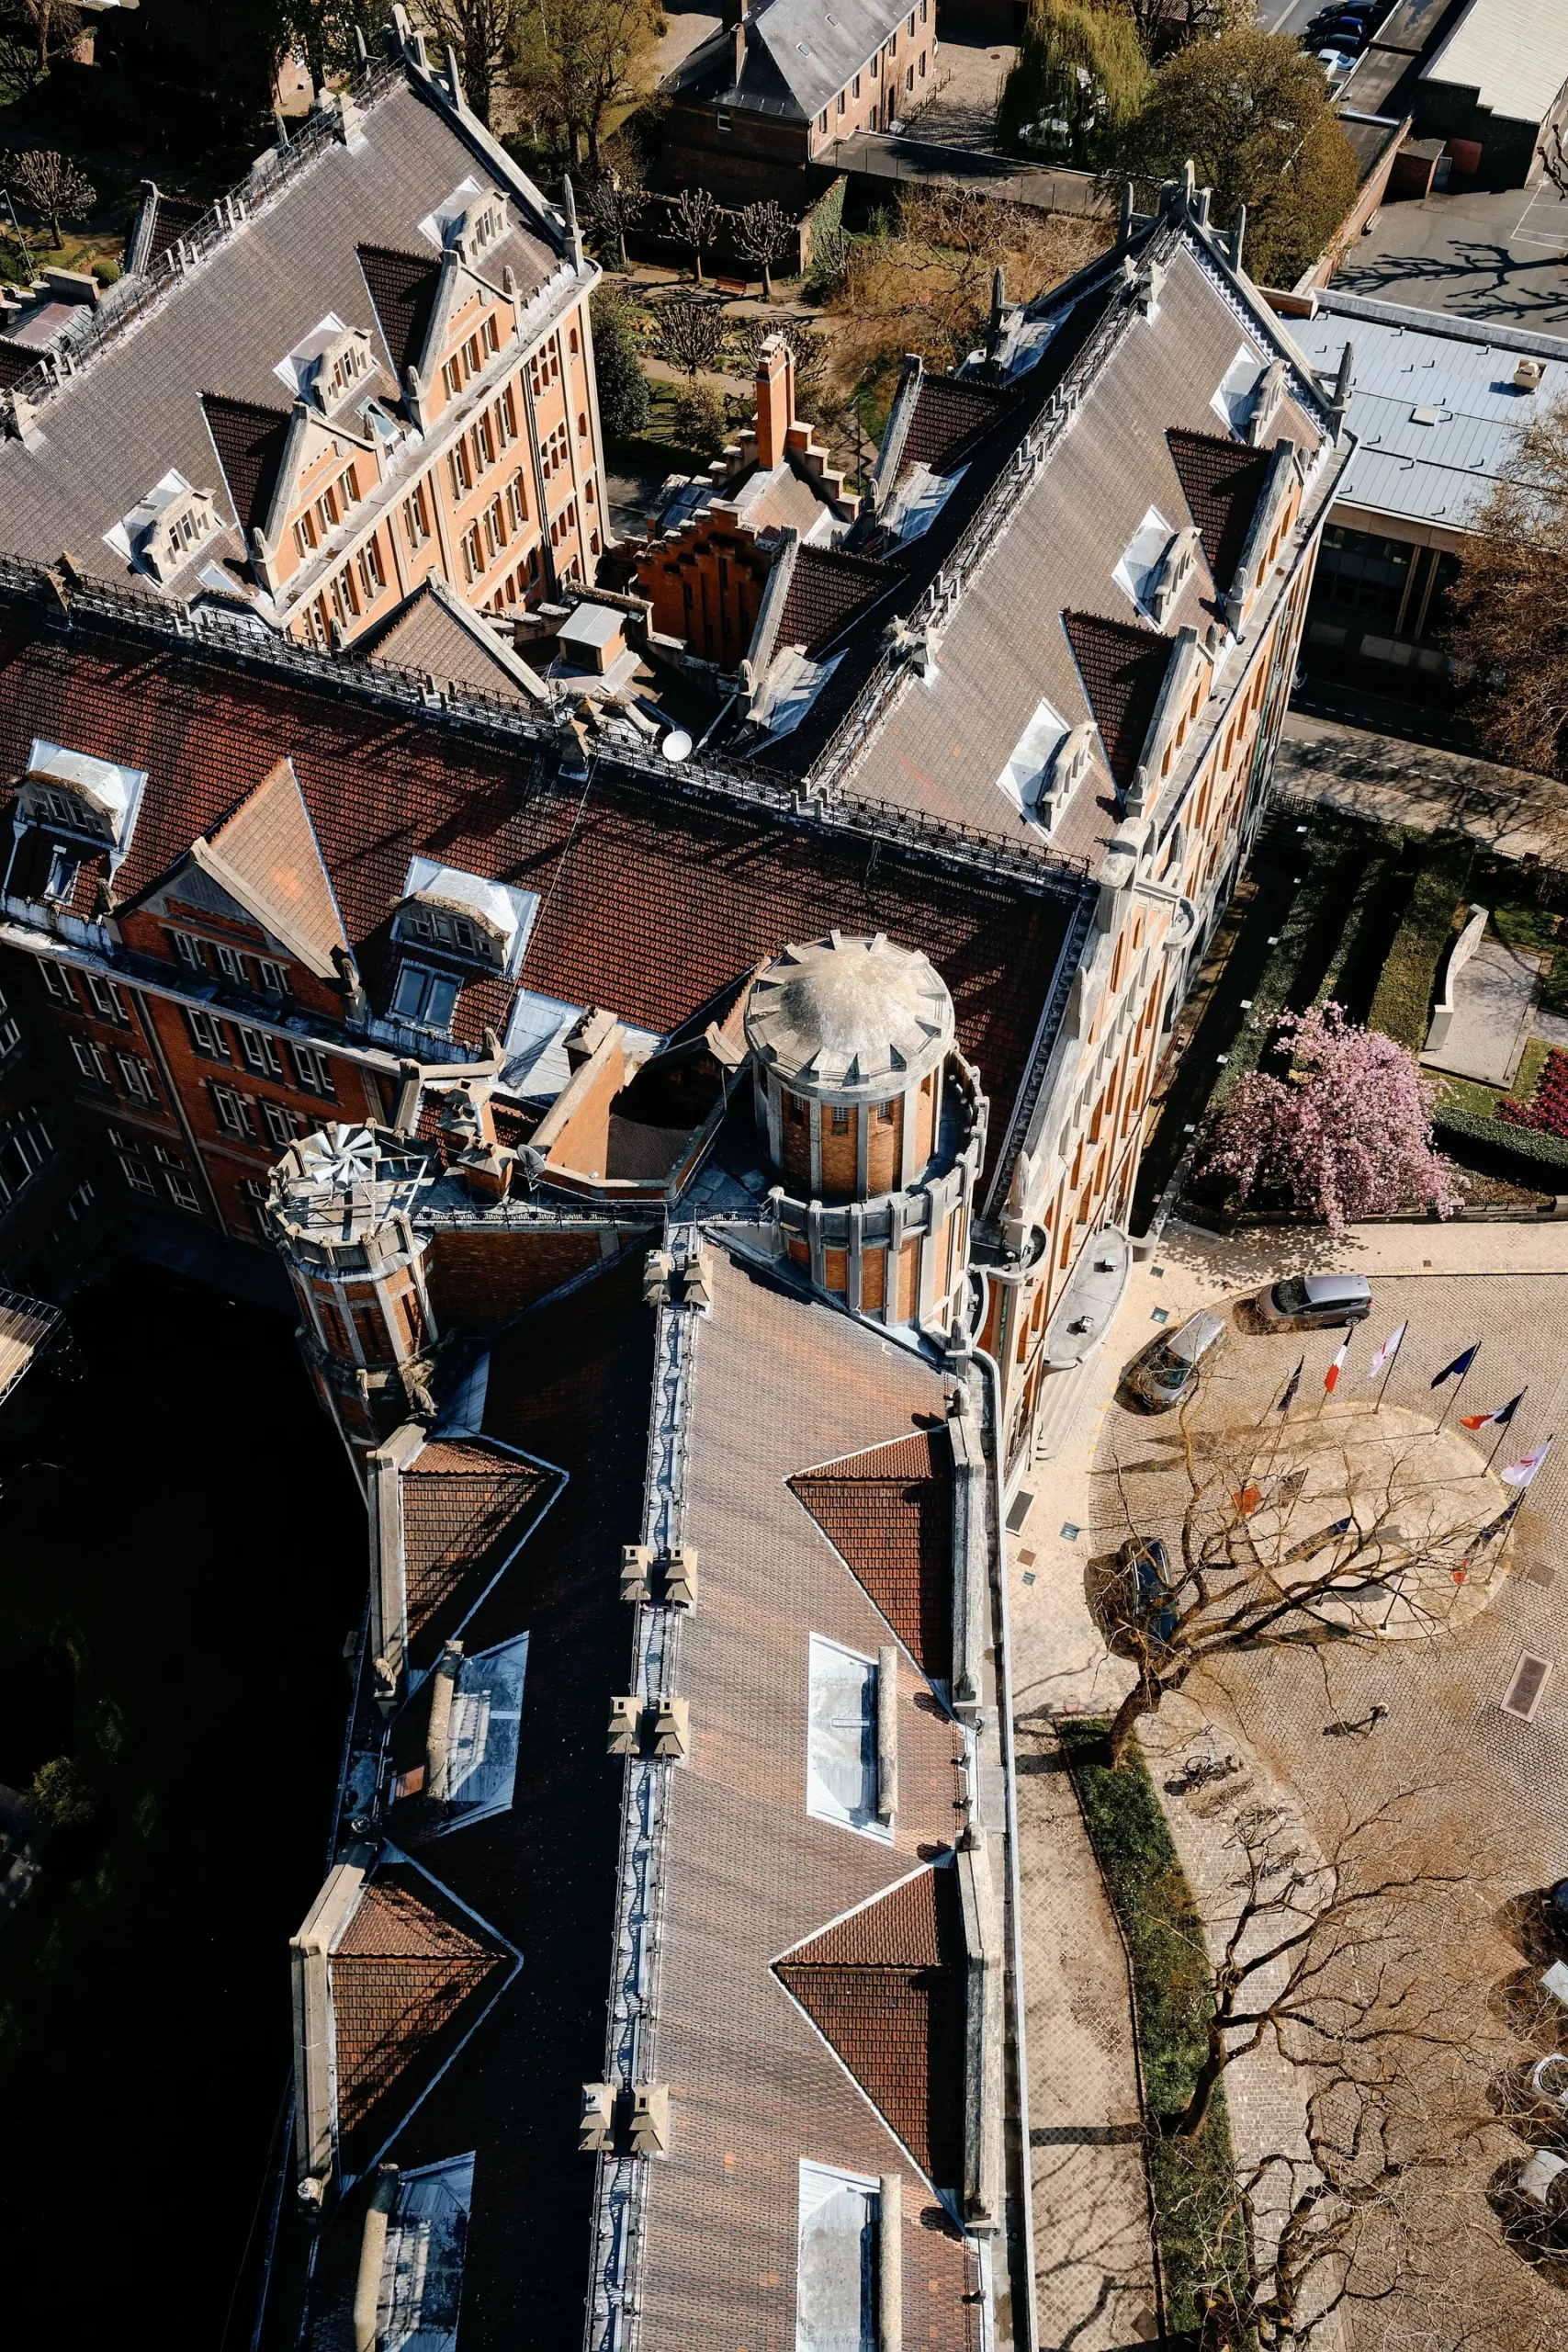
x,y
575,61
688,335
693,222
764,232
611,204
1258,1568
51,184
1080,81
1251,111
1345,1134
1510,597
481,33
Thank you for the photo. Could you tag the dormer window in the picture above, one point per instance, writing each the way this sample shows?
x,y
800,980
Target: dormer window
x,y
328,364
424,998
72,792
164,531
59,884
461,916
1048,764
1174,571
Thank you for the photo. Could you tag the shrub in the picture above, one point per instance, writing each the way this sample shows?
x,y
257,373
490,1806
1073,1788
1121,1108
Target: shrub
x,y
1402,1003
697,420
1520,1154
622,387
107,273
1547,1110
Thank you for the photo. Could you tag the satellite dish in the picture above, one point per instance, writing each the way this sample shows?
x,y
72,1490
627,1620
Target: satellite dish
x,y
677,745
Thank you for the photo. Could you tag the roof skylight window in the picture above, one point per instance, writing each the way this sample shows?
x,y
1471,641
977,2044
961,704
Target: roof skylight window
x,y
1139,572
841,1767
836,2269
1049,761
1233,399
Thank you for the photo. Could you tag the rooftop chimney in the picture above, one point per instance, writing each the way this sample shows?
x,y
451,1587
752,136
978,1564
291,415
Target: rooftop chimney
x,y
437,1738
775,400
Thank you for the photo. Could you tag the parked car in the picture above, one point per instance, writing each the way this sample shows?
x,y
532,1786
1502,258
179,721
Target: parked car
x,y
1167,1370
1312,1302
1145,1566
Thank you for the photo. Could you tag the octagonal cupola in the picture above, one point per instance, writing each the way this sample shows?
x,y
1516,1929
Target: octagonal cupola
x,y
849,1035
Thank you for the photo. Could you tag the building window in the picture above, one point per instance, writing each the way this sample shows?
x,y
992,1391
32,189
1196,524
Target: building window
x,y
207,1035
57,984
922,64
417,520
836,2269
281,1125
232,1114
10,1035
506,417
274,978
721,122
855,87
137,1079
424,998
345,606
840,1747
304,538
137,1174
92,1061
840,1118
457,466
182,1192
843,101
232,964
822,122
326,510
795,1111
473,554
260,1052
254,1196
484,444
909,76
188,950
61,886
887,1113
106,998
372,579
348,489
24,1147
315,1075
516,503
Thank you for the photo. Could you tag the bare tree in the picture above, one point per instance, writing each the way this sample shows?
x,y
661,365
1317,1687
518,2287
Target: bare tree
x,y
764,232
612,204
53,185
746,337
688,335
694,221
1507,600
1246,1579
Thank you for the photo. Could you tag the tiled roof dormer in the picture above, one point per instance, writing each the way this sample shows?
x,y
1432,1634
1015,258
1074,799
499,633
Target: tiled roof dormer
x,y
826,590
1123,668
1222,482
403,288
249,438
888,1513
950,412
267,858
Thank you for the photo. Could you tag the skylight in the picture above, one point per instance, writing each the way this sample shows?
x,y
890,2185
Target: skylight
x,y
1231,402
1139,569
1032,755
835,2295
435,225
481,1744
841,1766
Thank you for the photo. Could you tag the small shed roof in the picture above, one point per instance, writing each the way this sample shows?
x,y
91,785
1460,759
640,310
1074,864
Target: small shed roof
x,y
1513,53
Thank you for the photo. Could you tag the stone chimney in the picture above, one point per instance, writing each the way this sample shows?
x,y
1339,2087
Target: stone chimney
x,y
775,400
439,1735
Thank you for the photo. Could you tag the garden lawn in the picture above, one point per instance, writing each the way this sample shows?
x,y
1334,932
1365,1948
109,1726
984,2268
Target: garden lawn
x,y
1193,2180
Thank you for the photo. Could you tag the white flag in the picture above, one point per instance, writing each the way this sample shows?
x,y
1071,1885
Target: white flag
x,y
1520,1473
1386,1354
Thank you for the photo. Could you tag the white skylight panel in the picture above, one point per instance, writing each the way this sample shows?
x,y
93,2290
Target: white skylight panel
x,y
1139,569
1231,402
835,2294
840,1748
1032,755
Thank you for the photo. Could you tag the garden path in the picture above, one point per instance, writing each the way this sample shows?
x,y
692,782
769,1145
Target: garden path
x,y
1514,812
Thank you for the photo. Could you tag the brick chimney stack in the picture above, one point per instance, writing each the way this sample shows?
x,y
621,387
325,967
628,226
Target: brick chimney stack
x,y
775,400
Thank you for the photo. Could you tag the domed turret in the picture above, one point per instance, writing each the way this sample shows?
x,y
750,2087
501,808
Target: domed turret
x,y
874,1119
849,1035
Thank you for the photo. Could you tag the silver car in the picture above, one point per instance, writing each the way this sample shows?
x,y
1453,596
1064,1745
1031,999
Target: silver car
x,y
1166,1372
1312,1302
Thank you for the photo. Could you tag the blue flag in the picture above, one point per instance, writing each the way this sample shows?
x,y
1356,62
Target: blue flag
x,y
1461,1365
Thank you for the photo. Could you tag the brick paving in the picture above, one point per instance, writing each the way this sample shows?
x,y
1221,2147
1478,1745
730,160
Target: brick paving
x,y
1494,1788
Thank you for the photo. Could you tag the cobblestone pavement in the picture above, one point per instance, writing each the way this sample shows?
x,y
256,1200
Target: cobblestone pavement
x,y
963,110
1496,1788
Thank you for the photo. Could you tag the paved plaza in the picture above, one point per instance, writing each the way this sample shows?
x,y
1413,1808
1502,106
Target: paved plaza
x,y
1487,1785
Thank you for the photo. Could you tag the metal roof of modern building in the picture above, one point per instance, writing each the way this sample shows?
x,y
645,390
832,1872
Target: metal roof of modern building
x,y
1514,54
1433,404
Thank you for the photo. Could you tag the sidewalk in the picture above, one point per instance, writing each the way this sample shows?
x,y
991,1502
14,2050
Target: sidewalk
x,y
1514,812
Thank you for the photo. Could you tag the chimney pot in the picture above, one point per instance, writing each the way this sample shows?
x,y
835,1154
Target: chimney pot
x,y
596,2125
637,1564
650,2119
624,1725
775,400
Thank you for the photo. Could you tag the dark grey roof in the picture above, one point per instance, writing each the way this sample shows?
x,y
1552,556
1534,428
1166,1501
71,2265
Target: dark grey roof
x,y
799,55
109,433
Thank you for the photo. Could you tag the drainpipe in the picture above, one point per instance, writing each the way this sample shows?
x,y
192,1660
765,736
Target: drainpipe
x,y
372,2254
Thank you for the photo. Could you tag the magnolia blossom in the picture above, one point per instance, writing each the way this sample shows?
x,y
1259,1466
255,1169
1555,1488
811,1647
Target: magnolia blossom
x,y
1345,1134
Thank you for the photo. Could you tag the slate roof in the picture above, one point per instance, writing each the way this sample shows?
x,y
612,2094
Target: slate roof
x,y
798,56
135,411
651,900
889,1512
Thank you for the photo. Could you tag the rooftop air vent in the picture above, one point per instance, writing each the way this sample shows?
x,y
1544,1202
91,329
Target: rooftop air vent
x,y
1528,374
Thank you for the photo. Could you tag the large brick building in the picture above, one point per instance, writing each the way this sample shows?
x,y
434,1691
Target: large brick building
x,y
369,364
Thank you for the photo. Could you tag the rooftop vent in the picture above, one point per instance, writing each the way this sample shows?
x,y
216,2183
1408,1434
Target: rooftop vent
x,y
651,2120
1528,374
1526,1687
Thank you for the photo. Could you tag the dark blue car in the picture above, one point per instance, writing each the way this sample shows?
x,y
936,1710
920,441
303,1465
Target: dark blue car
x,y
1147,1567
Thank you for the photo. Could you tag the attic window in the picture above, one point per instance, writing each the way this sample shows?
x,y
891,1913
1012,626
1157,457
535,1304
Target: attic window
x,y
1048,762
1138,573
1526,1687
464,916
425,999
164,529
326,365
422,2263
82,794
1233,399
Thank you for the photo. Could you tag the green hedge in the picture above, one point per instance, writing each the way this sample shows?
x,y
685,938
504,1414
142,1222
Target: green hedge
x,y
1193,2180
1523,1154
1402,1003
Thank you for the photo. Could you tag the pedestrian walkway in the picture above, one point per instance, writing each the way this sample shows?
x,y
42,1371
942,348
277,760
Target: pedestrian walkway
x,y
1494,999
1512,811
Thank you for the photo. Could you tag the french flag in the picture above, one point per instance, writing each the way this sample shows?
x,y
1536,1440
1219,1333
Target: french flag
x,y
1331,1377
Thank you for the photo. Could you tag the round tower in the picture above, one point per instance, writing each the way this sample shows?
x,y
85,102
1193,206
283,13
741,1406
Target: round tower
x,y
339,1209
875,1122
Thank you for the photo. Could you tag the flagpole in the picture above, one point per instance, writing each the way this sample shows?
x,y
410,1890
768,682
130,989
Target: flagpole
x,y
1388,1376
1506,1426
1458,1385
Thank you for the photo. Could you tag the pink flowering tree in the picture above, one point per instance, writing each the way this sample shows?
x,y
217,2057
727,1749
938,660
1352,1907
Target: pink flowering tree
x,y
1345,1134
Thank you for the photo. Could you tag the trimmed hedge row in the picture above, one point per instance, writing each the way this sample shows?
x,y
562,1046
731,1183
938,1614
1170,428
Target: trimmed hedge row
x,y
1402,1003
1521,1155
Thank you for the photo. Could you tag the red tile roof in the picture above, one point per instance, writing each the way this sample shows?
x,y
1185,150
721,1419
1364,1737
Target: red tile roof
x,y
826,590
889,1513
887,1988
1123,668
651,899
464,1508
249,438
400,1976
1221,481
270,847
949,414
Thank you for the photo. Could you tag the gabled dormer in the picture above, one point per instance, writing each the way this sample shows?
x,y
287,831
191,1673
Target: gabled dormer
x,y
447,918
328,365
166,530
325,473
87,799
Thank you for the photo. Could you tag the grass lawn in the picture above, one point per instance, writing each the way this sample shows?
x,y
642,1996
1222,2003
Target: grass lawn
x,y
1199,2232
1471,1095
